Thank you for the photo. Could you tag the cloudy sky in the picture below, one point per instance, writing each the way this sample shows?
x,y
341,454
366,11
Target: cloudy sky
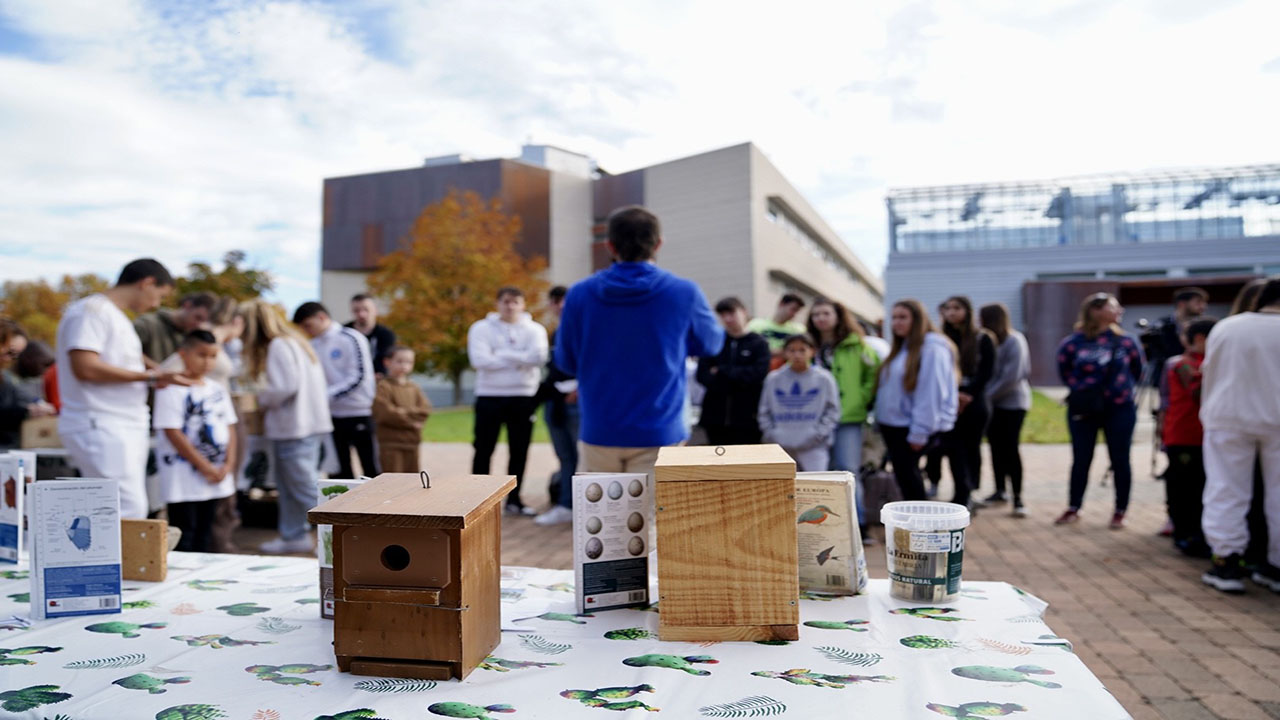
x,y
185,129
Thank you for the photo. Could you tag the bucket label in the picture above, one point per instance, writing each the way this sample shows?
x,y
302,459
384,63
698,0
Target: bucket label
x,y
931,542
954,560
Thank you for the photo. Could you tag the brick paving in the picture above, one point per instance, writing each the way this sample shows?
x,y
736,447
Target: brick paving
x,y
1163,643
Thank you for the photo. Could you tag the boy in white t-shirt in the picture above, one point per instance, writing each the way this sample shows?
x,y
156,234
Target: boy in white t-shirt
x,y
195,437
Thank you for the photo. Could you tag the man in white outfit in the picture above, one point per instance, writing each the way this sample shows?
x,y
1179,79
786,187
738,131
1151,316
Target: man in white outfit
x,y
507,349
105,424
348,369
1240,411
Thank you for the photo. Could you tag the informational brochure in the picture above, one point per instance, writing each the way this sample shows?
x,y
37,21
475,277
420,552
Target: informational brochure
x,y
612,537
324,543
12,486
75,547
831,557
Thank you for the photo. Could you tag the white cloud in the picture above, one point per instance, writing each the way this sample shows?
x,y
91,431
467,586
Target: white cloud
x,y
186,130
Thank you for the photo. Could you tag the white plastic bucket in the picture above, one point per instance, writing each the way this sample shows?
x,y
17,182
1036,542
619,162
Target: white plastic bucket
x,y
924,543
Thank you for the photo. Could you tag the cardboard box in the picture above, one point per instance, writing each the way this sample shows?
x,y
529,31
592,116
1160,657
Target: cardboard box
x,y
75,547
247,412
144,550
612,524
727,544
324,543
827,535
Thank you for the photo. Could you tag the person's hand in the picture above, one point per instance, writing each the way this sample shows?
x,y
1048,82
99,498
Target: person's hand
x,y
165,379
715,370
917,447
213,473
571,398
963,402
40,409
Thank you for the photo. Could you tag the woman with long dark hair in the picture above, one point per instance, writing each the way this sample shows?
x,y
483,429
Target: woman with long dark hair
x,y
977,359
1009,394
1099,363
916,401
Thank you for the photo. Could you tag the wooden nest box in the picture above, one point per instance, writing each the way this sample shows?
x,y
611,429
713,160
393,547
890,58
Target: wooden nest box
x,y
727,563
416,574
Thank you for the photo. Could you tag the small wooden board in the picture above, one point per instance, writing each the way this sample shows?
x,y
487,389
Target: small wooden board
x,y
144,550
399,500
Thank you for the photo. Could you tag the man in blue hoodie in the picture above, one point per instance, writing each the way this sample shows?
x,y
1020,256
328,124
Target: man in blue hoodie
x,y
625,333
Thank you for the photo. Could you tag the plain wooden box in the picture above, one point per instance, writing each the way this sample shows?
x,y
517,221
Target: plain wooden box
x,y
40,433
439,616
727,563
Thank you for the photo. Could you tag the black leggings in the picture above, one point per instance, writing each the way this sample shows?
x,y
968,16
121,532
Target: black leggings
x,y
906,462
963,446
1006,459
516,412
195,520
355,432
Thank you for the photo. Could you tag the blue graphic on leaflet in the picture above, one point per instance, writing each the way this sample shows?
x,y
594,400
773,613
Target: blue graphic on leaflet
x,y
8,543
79,534
81,590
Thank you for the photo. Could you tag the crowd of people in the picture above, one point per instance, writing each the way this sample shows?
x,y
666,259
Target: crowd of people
x,y
614,380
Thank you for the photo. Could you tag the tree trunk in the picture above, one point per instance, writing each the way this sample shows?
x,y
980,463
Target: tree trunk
x,y
457,389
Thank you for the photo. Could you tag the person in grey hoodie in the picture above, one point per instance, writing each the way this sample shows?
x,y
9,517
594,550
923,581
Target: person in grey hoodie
x,y
918,393
800,406
1009,393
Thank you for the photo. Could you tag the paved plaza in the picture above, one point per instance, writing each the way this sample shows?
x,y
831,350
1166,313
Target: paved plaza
x,y
1163,643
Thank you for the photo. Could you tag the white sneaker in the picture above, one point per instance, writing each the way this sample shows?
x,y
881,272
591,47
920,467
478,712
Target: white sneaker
x,y
557,515
280,546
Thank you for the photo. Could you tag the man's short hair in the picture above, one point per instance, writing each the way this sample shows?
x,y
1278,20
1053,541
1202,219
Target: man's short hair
x,y
791,299
510,290
358,297
557,293
391,352
206,300
1201,326
308,310
800,338
144,268
634,233
729,304
1187,293
198,337
1269,294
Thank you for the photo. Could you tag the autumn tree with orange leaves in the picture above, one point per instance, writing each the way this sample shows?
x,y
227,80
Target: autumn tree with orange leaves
x,y
446,276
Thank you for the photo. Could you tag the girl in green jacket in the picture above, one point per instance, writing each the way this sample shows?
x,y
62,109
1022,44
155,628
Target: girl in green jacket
x,y
855,366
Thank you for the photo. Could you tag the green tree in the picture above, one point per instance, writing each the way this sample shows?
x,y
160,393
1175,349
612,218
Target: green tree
x,y
233,280
446,275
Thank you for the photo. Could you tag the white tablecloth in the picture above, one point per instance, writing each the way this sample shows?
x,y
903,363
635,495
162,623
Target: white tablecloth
x,y
240,637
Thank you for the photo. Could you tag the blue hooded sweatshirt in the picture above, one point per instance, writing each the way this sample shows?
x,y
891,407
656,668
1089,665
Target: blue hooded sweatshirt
x,y
625,333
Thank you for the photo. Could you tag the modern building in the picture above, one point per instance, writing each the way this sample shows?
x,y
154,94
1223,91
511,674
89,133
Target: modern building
x,y
731,222
1041,247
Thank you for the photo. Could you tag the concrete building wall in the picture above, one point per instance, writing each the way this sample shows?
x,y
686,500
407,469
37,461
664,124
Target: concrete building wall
x,y
571,219
998,275
704,204
336,289
784,263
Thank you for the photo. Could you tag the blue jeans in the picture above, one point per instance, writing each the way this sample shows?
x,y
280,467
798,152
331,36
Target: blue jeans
x,y
564,439
1117,428
846,454
295,463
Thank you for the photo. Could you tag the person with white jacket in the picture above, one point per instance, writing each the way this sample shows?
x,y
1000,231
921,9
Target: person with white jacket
x,y
507,349
1240,411
295,401
348,371
918,394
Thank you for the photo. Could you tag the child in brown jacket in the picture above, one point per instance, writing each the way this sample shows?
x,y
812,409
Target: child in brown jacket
x,y
399,412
